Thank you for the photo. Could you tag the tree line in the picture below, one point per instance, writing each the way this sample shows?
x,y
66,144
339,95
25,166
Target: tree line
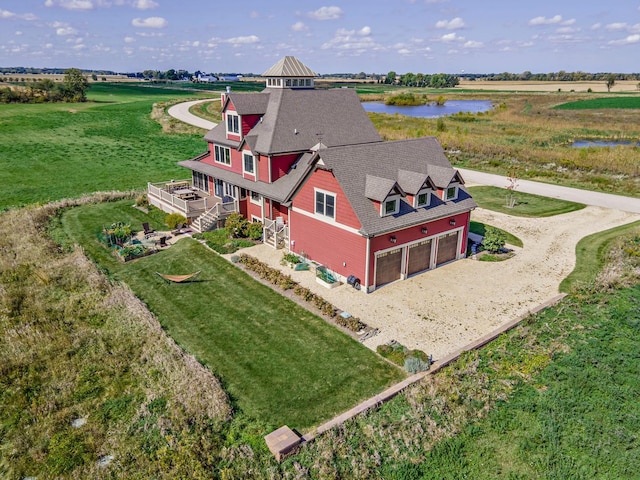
x,y
438,80
560,76
73,88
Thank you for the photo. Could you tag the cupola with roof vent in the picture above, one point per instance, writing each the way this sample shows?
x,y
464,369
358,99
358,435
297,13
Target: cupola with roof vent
x,y
289,72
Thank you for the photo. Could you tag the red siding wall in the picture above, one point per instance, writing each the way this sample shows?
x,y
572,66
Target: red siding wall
x,y
248,122
328,245
253,209
324,180
280,166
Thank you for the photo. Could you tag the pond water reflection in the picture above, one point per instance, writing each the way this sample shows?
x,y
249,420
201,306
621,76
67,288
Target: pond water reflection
x,y
431,110
603,143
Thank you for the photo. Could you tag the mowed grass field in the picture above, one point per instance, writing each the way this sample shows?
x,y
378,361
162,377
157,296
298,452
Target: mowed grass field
x,y
279,363
54,151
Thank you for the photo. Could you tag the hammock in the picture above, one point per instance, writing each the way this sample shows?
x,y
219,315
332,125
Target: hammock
x,y
178,278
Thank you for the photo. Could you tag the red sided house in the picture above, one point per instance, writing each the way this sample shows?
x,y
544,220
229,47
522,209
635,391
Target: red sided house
x,y
311,167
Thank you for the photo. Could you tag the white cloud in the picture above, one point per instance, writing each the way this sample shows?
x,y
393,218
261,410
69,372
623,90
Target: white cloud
x,y
473,44
248,40
568,30
326,13
150,22
545,21
65,31
617,26
144,4
299,27
70,4
354,42
451,37
365,31
5,14
129,40
596,26
631,39
454,24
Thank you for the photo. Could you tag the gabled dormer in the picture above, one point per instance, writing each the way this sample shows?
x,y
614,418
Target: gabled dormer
x,y
418,186
289,72
386,194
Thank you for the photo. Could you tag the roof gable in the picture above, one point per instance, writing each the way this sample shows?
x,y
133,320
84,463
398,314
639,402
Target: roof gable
x,y
377,188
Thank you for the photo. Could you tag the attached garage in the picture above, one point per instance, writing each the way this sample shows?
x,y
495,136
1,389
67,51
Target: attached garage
x,y
419,257
447,248
388,266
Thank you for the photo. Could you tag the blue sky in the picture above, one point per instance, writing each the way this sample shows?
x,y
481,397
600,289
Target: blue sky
x,y
372,36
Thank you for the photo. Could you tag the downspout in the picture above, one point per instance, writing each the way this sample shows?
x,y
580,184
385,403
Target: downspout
x,y
366,268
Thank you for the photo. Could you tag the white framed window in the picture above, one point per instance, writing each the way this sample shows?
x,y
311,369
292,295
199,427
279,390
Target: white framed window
x,y
248,163
255,198
325,204
451,193
222,155
218,186
390,206
233,123
229,190
422,199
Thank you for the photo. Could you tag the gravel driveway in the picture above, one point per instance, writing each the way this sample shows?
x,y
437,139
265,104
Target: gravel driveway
x,y
447,308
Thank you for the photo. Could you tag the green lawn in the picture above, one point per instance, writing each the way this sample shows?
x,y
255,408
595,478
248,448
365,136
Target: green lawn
x,y
479,228
527,205
279,363
54,151
590,256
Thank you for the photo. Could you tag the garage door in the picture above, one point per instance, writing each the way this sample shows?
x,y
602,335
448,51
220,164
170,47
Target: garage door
x,y
447,248
388,266
419,257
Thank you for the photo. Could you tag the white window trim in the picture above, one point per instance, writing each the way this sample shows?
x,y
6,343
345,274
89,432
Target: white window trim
x,y
256,219
446,198
422,192
383,207
249,154
221,149
335,201
255,202
233,114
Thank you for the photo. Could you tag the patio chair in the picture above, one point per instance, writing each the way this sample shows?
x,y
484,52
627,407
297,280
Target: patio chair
x,y
178,229
147,229
162,242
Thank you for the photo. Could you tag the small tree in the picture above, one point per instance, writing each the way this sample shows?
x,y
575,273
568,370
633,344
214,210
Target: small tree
x,y
511,188
611,81
494,239
236,225
75,85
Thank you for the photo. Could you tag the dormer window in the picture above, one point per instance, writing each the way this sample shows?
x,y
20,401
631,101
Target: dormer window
x,y
391,205
233,123
422,199
451,193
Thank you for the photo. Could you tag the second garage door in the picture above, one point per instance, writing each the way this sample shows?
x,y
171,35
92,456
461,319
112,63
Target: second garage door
x,y
388,266
419,257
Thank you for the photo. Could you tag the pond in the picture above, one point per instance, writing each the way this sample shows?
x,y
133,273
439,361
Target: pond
x,y
603,143
431,110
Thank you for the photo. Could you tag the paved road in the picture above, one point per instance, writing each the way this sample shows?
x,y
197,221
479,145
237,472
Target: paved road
x,y
597,199
616,202
181,112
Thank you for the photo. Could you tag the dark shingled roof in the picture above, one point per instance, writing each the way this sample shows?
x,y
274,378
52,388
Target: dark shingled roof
x,y
248,104
289,67
351,166
298,119
377,188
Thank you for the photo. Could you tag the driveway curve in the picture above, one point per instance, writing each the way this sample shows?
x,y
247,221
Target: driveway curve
x,y
181,112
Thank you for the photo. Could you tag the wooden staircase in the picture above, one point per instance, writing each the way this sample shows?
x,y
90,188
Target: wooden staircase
x,y
210,218
275,233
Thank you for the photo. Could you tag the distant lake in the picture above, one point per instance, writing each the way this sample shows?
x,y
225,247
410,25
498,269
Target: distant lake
x,y
431,110
602,143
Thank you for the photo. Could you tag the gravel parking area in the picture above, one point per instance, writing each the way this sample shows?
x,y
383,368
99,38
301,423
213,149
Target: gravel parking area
x,y
447,308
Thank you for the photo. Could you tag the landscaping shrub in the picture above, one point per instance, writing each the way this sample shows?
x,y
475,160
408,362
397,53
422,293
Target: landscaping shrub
x,y
236,225
494,239
174,219
413,361
254,230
